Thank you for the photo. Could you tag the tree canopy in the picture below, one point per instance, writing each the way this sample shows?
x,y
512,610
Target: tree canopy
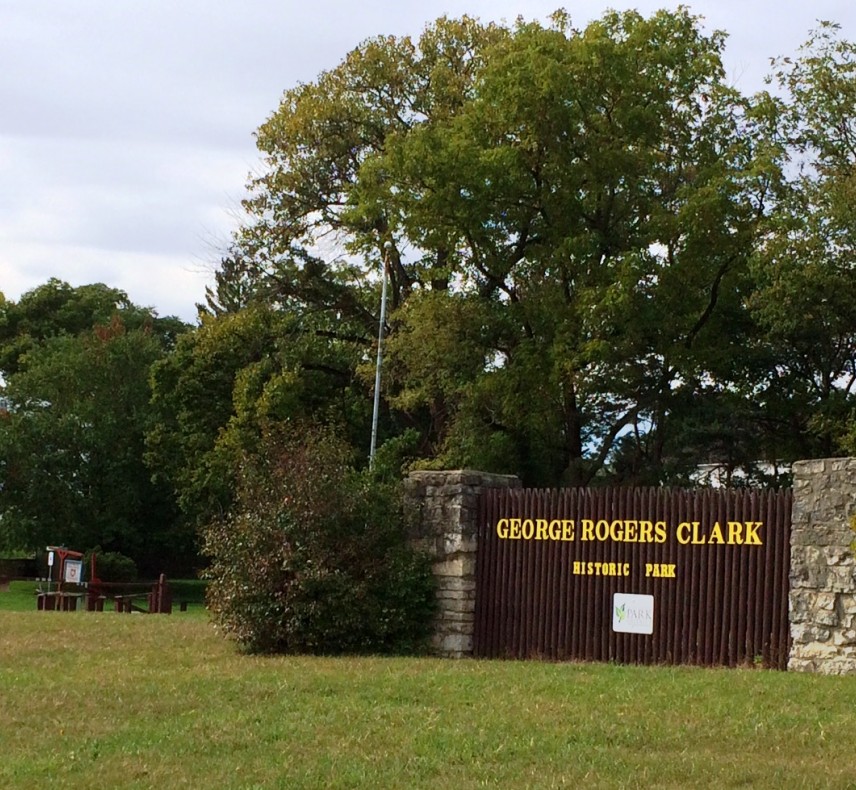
x,y
605,264
76,363
589,237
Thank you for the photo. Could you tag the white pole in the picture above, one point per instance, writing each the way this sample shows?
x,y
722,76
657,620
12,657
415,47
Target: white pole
x,y
375,411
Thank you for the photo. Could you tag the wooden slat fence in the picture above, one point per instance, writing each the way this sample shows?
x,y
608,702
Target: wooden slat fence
x,y
714,562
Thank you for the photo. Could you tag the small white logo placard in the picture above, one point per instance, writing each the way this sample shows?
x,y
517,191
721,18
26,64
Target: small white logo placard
x,y
633,614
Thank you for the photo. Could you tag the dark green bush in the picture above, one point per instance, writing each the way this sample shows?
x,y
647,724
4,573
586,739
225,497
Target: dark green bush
x,y
313,557
111,566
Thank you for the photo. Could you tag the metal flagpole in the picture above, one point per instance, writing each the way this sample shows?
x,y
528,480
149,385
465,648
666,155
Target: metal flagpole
x,y
386,247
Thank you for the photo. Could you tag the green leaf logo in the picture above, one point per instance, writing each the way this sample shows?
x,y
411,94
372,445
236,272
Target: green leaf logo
x,y
621,612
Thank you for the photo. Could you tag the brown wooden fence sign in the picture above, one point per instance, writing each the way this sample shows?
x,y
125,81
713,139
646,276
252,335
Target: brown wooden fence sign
x,y
634,575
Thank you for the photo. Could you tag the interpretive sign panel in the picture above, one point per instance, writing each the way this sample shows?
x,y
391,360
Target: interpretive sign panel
x,y
73,571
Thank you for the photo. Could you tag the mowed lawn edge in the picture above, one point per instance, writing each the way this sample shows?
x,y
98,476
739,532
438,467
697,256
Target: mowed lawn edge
x,y
152,700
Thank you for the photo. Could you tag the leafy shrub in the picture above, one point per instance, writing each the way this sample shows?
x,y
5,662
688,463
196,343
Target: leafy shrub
x,y
313,556
111,566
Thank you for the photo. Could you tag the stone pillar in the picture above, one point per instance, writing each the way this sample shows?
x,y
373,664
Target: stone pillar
x,y
823,569
444,508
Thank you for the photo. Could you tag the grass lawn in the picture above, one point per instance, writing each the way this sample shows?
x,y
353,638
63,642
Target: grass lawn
x,y
21,596
110,700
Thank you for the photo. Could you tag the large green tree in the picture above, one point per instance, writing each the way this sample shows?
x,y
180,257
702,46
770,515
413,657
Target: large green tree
x,y
565,216
604,263
71,437
601,195
236,374
805,269
57,308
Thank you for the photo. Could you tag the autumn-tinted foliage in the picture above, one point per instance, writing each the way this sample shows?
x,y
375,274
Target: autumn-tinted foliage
x,y
76,365
604,263
313,556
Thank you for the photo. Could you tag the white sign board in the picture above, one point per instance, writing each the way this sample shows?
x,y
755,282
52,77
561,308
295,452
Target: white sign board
x,y
633,614
50,559
73,572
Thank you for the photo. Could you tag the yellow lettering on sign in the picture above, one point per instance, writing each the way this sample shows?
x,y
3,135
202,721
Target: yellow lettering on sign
x,y
588,529
716,534
630,532
738,533
601,568
660,570
752,536
735,533
567,530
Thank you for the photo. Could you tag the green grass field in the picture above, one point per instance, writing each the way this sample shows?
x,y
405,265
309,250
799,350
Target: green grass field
x,y
138,701
21,596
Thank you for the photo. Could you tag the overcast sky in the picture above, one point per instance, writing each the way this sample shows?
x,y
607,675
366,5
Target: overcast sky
x,y
126,126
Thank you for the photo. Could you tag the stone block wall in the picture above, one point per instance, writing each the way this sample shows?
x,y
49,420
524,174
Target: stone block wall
x,y
823,567
444,512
